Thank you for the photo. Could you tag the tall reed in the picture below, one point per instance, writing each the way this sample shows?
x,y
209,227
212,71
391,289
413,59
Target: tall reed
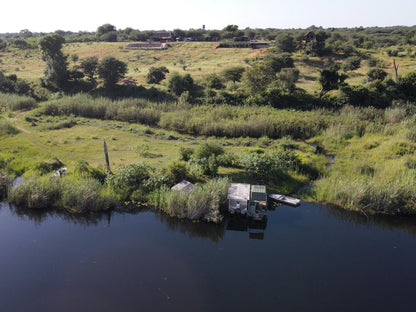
x,y
203,202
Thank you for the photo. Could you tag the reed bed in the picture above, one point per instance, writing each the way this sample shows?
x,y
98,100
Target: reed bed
x,y
203,202
67,193
14,102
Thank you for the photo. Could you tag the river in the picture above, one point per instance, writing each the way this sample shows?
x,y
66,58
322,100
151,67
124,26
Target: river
x,y
310,258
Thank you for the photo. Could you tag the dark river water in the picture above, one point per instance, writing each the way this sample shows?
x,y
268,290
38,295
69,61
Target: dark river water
x,y
310,258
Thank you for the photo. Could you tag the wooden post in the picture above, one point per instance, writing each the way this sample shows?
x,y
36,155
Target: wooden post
x,y
107,161
396,67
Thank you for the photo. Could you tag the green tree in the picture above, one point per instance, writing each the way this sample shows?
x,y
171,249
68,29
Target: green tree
x,y
56,72
180,83
231,28
109,37
288,78
330,80
407,86
376,74
90,67
257,78
156,74
111,70
106,29
278,61
233,73
285,43
212,81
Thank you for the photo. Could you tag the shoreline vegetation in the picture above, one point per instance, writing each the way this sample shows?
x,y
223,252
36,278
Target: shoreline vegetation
x,y
325,115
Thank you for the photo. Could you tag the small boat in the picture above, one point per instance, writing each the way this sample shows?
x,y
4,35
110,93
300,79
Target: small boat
x,y
287,200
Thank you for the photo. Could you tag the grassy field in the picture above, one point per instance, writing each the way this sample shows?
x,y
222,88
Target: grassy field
x,y
374,150
197,59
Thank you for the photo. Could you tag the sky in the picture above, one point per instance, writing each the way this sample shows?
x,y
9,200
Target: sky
x,y
87,15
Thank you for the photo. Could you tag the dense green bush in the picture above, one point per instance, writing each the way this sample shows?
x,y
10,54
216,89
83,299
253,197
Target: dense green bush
x,y
128,178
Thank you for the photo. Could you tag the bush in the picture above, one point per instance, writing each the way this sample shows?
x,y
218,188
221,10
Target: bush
x,y
84,170
185,153
351,63
177,171
129,178
376,74
49,166
7,128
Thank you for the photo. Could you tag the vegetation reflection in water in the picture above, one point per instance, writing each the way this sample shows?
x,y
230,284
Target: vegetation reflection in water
x,y
215,232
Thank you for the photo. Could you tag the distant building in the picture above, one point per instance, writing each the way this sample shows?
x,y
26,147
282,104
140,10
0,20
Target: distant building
x,y
148,46
162,36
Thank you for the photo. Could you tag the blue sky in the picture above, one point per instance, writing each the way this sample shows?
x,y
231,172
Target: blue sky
x,y
75,15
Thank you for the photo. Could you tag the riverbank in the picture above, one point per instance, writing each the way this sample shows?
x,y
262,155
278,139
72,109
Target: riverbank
x,y
374,150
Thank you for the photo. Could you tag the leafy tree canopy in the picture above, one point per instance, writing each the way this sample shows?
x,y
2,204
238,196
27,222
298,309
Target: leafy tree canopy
x,y
156,74
111,70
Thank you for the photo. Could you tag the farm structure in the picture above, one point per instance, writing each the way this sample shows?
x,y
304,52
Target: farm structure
x,y
246,199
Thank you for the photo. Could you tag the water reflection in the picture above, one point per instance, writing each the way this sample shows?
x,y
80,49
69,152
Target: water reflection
x,y
213,232
38,216
255,228
405,223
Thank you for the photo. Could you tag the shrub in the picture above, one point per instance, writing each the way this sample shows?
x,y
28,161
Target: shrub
x,y
84,170
7,128
185,153
376,74
177,171
49,166
351,63
129,178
